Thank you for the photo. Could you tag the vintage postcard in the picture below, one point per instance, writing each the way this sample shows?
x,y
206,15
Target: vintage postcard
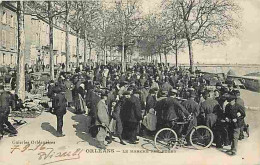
x,y
130,82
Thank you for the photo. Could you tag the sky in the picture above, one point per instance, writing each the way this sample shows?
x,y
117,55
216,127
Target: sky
x,y
244,49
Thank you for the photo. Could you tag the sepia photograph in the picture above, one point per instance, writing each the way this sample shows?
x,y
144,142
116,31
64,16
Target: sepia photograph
x,y
107,82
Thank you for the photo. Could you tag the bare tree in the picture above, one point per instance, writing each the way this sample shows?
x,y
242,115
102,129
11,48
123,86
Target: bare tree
x,y
208,21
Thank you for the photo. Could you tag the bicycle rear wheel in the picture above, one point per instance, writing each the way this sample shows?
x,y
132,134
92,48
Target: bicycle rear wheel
x,y
165,140
201,137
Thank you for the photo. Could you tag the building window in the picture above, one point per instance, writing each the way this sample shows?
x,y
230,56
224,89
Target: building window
x,y
11,37
11,59
12,21
4,38
36,38
3,58
4,18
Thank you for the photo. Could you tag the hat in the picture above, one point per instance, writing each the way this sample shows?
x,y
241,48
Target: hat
x,y
236,92
231,97
164,93
97,83
103,93
136,91
173,92
156,89
225,90
130,88
218,84
152,91
82,86
126,93
146,85
206,93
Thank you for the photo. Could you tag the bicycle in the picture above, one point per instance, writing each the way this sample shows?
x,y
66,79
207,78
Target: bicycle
x,y
200,137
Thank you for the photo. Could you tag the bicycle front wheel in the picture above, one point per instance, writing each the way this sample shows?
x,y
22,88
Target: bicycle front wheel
x,y
201,137
165,140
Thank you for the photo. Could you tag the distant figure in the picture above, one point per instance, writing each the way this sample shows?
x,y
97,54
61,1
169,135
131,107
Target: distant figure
x,y
63,66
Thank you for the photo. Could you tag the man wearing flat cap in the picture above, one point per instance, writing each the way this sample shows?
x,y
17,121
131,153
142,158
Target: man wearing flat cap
x,y
235,114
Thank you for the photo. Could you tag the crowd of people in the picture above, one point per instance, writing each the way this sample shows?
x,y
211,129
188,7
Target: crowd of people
x,y
143,99
146,98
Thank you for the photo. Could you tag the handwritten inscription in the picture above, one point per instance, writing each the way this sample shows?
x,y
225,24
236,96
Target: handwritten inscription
x,y
44,152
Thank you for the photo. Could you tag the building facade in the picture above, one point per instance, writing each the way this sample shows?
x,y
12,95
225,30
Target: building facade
x,y
8,35
37,42
36,39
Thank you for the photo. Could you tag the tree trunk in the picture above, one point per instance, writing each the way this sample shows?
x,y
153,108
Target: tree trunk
x,y
67,45
110,53
165,56
191,55
90,49
85,50
105,55
176,57
77,49
160,54
123,54
51,40
20,76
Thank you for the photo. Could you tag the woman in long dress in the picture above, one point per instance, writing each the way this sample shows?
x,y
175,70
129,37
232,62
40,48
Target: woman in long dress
x,y
68,91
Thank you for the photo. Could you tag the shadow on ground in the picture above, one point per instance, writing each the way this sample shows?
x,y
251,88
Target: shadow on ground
x,y
81,126
48,127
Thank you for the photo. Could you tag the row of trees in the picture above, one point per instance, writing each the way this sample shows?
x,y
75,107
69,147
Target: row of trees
x,y
120,25
183,23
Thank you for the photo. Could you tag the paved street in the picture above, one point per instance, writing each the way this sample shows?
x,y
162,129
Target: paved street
x,y
79,146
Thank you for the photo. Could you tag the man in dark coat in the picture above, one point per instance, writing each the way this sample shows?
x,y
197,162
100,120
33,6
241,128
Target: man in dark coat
x,y
240,101
5,102
160,108
150,101
209,109
103,119
50,93
235,114
116,116
131,115
193,108
92,104
60,104
174,110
